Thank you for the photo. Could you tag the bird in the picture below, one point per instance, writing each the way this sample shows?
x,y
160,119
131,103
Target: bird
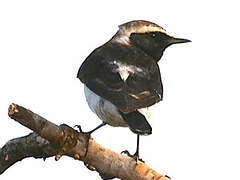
x,y
122,78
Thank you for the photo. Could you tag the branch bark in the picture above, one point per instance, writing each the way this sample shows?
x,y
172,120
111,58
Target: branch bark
x,y
49,140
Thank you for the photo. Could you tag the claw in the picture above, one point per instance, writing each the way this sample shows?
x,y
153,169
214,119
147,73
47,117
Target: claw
x,y
81,131
87,134
79,128
126,152
135,156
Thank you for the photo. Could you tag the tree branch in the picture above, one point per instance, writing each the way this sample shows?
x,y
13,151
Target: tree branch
x,y
49,139
17,149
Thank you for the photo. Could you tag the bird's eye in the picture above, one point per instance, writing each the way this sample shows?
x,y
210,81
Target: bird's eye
x,y
153,35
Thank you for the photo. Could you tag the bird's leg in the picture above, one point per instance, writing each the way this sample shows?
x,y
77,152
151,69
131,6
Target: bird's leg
x,y
88,134
137,150
136,154
101,125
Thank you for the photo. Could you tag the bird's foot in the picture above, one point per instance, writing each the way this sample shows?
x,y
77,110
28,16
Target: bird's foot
x,y
89,132
134,156
81,131
78,127
86,134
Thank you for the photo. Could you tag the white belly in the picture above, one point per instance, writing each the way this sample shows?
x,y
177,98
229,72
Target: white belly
x,y
104,109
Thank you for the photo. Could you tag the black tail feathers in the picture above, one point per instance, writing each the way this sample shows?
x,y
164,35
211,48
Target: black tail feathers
x,y
137,123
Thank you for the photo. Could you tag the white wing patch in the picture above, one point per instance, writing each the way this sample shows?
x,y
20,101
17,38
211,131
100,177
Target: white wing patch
x,y
125,70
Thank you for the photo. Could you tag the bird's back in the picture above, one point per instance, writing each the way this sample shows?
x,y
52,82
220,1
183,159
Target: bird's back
x,y
124,75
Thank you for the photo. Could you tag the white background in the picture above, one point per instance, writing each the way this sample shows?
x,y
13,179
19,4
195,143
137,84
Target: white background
x,y
195,128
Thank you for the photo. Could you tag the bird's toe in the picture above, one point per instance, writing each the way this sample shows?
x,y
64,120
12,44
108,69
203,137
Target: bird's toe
x,y
134,156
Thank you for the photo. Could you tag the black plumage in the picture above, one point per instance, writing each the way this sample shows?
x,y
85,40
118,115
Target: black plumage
x,y
122,76
141,89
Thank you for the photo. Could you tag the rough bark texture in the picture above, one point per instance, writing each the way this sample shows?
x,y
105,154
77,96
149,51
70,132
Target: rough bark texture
x,y
49,139
17,149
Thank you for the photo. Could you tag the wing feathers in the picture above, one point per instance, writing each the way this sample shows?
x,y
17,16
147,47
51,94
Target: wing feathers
x,y
129,79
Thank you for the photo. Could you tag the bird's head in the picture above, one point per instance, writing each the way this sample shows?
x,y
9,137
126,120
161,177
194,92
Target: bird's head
x,y
148,36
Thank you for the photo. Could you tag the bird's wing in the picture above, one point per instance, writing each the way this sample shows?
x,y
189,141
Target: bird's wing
x,y
117,78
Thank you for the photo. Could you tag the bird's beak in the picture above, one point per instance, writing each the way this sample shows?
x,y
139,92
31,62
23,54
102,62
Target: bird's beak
x,y
178,40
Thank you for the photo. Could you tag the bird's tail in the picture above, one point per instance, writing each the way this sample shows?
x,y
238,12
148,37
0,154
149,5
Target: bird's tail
x,y
137,123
